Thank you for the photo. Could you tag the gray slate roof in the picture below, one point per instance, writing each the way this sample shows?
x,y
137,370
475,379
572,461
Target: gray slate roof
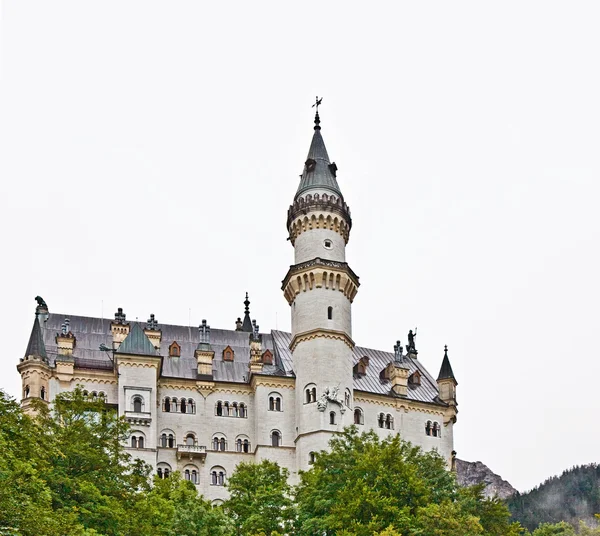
x,y
321,175
92,332
36,346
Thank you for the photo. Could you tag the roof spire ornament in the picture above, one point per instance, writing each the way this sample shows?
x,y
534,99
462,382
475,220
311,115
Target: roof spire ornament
x,y
316,105
247,324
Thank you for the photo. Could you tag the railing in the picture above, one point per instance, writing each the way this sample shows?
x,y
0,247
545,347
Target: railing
x,y
193,451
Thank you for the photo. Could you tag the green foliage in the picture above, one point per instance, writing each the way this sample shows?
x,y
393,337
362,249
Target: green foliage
x,y
365,485
260,498
573,496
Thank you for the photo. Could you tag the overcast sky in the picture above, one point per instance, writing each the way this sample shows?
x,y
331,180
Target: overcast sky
x,y
150,150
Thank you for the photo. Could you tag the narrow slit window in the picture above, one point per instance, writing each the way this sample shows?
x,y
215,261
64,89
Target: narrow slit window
x,y
330,313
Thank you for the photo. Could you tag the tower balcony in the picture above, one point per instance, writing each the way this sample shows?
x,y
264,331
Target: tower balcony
x,y
192,451
138,418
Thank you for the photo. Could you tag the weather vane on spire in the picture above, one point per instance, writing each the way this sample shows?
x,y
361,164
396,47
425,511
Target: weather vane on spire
x,y
316,105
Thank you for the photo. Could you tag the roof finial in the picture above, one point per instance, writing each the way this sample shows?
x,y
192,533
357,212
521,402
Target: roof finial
x,y
316,105
445,350
247,304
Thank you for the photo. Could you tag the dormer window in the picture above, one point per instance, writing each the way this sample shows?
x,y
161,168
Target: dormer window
x,y
360,369
310,165
228,354
415,378
174,349
267,358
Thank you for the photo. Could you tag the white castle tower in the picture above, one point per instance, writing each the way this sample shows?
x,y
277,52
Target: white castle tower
x,y
320,288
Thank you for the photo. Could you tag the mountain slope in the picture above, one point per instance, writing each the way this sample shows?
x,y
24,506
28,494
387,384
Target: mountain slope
x,y
573,496
471,473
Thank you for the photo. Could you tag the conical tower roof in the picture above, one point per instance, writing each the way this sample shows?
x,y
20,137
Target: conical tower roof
x,y
36,346
318,171
136,343
446,372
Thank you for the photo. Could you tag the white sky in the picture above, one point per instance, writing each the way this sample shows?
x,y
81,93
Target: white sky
x,y
150,150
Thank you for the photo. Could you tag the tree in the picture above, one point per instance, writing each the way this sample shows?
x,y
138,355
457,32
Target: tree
x,y
557,529
365,485
260,498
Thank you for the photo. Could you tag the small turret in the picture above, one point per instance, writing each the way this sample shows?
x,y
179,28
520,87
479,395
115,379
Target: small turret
x,y
446,381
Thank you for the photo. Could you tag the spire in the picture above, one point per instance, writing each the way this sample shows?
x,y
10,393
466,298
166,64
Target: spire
x,y
319,171
247,324
137,343
446,369
36,346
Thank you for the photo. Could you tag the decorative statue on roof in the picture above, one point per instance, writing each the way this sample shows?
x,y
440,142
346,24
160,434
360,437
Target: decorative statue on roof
x,y
410,347
40,302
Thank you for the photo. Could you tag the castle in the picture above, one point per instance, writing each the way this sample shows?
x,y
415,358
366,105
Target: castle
x,y
201,400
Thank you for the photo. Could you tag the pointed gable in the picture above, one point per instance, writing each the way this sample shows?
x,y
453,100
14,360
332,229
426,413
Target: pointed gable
x,y
136,343
446,372
36,346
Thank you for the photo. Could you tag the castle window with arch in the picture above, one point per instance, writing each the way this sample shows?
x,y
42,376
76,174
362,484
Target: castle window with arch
x,y
242,444
275,402
228,354
137,440
332,417
190,439
167,439
436,430
217,476
26,391
312,458
219,442
381,420
163,470
310,392
389,422
275,438
183,406
347,398
359,417
167,405
138,404
230,409
43,393
191,473
428,428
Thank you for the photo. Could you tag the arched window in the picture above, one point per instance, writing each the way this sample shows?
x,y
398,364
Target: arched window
x,y
167,405
222,444
428,428
195,476
191,406
187,474
243,410
133,442
174,350
312,458
234,409
238,445
174,405
330,313
163,470
274,402
226,409
389,422
163,440
217,476
310,392
43,393
219,408
313,394
190,440
358,416
381,420
246,446
140,444
137,404
171,441
219,442
332,417
275,438
347,398
183,405
26,391
437,431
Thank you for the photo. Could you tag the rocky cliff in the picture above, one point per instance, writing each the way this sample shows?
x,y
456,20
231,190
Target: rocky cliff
x,y
471,473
